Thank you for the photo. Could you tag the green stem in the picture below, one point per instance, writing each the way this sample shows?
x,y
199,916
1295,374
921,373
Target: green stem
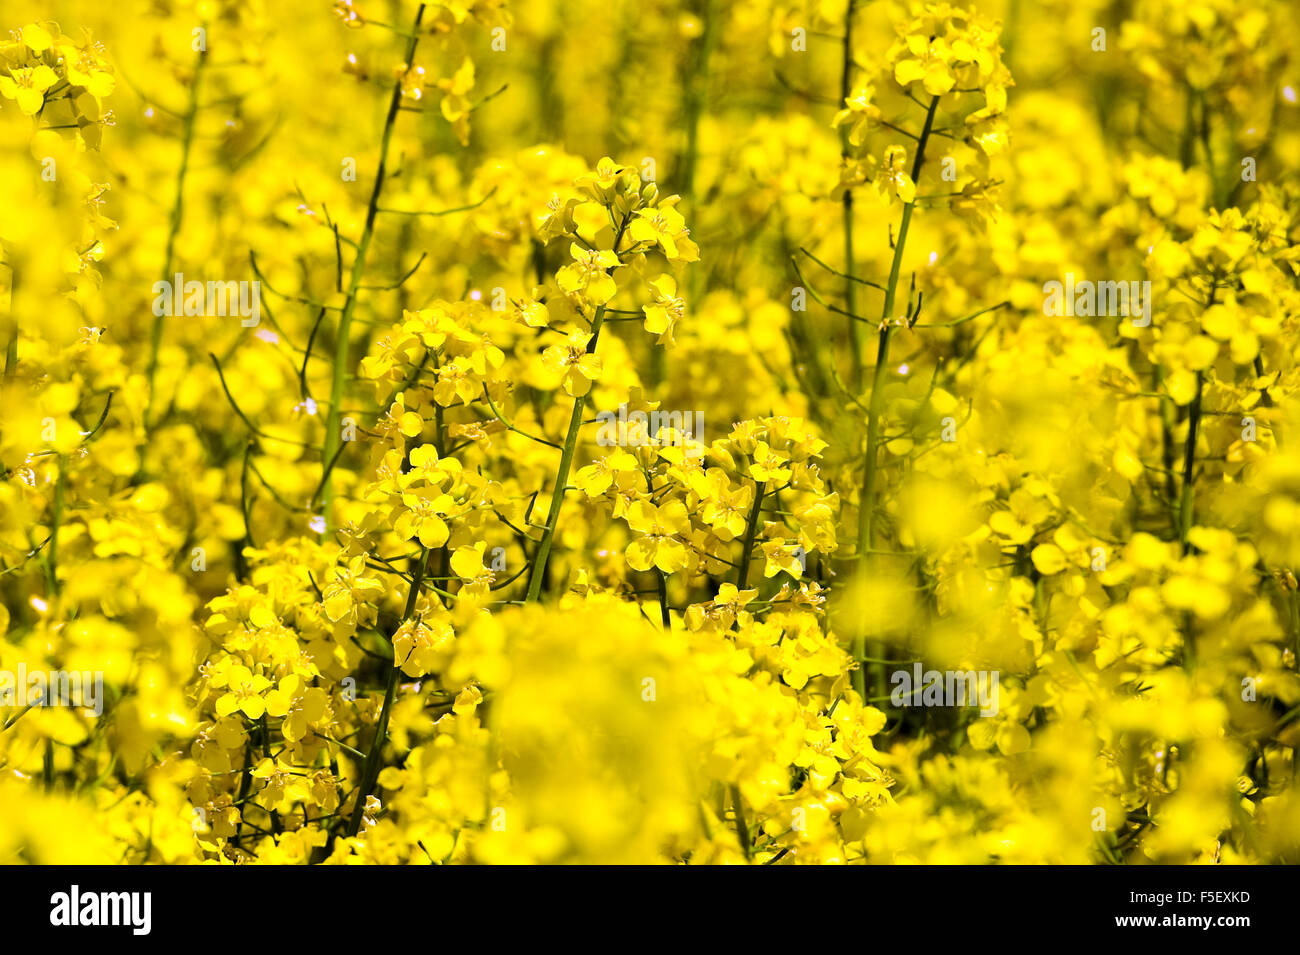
x,y
1209,153
850,285
174,227
1189,455
1010,31
538,571
1189,461
696,89
664,614
343,343
11,328
742,826
866,526
370,770
1167,418
751,530
11,353
52,549
1187,142
867,501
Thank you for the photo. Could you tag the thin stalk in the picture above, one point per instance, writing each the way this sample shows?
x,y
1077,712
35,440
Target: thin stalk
x,y
343,343
694,94
11,340
1010,30
1187,142
245,783
1189,461
751,530
866,526
742,826
11,353
538,571
850,287
174,227
52,549
1167,415
1189,456
1209,153
370,770
696,90
440,444
867,501
664,614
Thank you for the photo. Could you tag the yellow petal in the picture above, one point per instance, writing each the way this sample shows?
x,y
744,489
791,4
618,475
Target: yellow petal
x,y
640,555
1013,738
1200,352
1147,551
1181,386
1049,559
906,188
37,38
29,101
908,71
432,532
938,79
262,617
467,562
101,84
43,78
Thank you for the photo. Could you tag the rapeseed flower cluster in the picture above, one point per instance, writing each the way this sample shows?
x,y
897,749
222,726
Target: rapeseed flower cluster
x,y
363,575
